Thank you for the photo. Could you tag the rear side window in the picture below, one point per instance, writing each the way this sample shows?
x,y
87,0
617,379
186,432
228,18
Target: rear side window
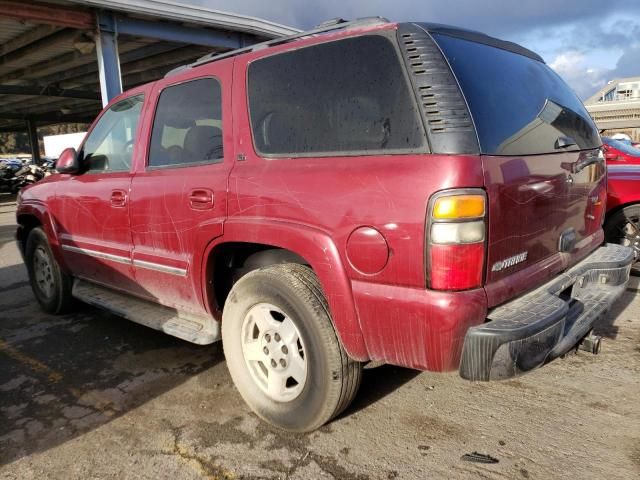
x,y
187,128
343,97
519,105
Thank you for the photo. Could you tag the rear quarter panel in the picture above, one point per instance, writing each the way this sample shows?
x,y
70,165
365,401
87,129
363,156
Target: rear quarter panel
x,y
276,200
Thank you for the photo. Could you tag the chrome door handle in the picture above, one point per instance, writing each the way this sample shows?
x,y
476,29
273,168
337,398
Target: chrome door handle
x,y
201,199
118,198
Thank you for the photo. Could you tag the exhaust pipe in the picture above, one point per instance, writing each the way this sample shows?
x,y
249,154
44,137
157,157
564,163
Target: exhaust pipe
x,y
591,343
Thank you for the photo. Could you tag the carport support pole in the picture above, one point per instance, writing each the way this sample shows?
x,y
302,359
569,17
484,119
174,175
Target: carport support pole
x,y
108,59
32,130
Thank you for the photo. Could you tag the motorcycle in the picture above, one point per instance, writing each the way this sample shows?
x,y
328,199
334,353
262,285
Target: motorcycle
x,y
9,183
28,175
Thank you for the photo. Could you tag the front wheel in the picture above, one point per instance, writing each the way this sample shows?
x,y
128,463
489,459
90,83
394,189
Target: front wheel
x,y
282,351
51,286
623,228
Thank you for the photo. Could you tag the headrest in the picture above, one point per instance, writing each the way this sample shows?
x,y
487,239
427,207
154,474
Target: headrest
x,y
203,142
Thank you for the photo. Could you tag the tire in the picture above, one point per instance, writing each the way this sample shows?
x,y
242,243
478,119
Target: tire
x,y
280,293
619,228
50,285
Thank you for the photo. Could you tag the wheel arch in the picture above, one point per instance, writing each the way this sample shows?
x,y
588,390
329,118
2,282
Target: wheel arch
x,y
31,215
253,244
621,206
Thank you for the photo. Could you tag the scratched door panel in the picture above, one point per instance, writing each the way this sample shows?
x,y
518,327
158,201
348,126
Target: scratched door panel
x,y
179,197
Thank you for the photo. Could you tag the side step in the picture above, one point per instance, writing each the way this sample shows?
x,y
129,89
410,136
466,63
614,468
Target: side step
x,y
199,329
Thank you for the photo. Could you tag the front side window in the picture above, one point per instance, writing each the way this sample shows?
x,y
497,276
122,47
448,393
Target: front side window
x,y
109,146
344,97
187,128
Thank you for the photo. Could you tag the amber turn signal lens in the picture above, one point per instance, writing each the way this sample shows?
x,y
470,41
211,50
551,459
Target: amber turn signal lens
x,y
459,206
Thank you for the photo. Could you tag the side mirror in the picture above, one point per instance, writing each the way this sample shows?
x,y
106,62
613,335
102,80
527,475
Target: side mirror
x,y
68,162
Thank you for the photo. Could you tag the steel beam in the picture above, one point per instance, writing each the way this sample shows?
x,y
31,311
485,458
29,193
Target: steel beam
x,y
13,127
67,104
49,117
32,130
48,91
47,14
108,61
178,33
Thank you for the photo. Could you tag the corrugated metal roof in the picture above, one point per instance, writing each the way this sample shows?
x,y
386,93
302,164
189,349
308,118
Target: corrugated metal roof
x,y
192,14
9,29
50,55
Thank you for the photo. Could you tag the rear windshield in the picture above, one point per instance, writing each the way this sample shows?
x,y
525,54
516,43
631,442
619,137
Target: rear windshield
x,y
519,105
344,97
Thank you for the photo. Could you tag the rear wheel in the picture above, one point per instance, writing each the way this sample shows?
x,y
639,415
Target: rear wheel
x,y
623,228
282,350
50,285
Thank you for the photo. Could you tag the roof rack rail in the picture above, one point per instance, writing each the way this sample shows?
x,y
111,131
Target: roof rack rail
x,y
327,26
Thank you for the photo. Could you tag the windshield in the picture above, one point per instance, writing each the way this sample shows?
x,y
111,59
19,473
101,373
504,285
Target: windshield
x,y
622,146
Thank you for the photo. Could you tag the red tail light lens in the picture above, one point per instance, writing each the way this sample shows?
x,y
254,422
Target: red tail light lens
x,y
456,267
456,242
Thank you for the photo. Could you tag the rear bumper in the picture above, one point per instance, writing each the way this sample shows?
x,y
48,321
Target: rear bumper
x,y
535,328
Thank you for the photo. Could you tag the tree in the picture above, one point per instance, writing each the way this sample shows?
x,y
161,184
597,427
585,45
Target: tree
x,y
14,143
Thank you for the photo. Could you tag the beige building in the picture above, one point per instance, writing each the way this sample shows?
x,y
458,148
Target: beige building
x,y
616,107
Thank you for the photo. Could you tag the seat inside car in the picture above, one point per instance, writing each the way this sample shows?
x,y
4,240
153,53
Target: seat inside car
x,y
202,143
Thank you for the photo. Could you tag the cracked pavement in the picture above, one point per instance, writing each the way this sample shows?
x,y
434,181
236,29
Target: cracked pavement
x,y
91,395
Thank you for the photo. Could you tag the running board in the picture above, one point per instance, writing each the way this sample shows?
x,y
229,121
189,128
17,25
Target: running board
x,y
193,328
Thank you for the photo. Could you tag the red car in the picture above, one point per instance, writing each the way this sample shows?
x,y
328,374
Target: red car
x,y
622,223
620,152
408,193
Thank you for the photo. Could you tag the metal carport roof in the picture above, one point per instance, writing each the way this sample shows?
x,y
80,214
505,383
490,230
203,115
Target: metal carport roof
x,y
61,59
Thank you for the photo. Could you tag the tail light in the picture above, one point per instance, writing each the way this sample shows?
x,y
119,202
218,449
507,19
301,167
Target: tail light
x,y
456,239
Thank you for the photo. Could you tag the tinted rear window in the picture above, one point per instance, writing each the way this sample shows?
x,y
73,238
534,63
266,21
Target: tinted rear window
x,y
519,105
343,97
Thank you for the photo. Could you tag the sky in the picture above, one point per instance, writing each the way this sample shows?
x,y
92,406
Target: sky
x,y
587,42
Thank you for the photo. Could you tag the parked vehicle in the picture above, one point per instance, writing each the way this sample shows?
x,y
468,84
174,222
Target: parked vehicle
x,y
618,152
408,193
48,165
8,181
622,224
28,175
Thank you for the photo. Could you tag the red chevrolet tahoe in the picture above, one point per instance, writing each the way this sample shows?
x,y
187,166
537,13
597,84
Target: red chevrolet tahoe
x,y
407,193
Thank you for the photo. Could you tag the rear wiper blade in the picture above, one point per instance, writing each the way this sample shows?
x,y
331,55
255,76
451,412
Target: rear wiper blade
x,y
564,142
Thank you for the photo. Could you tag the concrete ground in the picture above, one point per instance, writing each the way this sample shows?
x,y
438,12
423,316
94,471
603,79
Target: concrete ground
x,y
90,395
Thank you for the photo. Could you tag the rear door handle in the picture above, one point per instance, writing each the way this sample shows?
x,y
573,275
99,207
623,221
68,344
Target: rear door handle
x,y
118,198
201,199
